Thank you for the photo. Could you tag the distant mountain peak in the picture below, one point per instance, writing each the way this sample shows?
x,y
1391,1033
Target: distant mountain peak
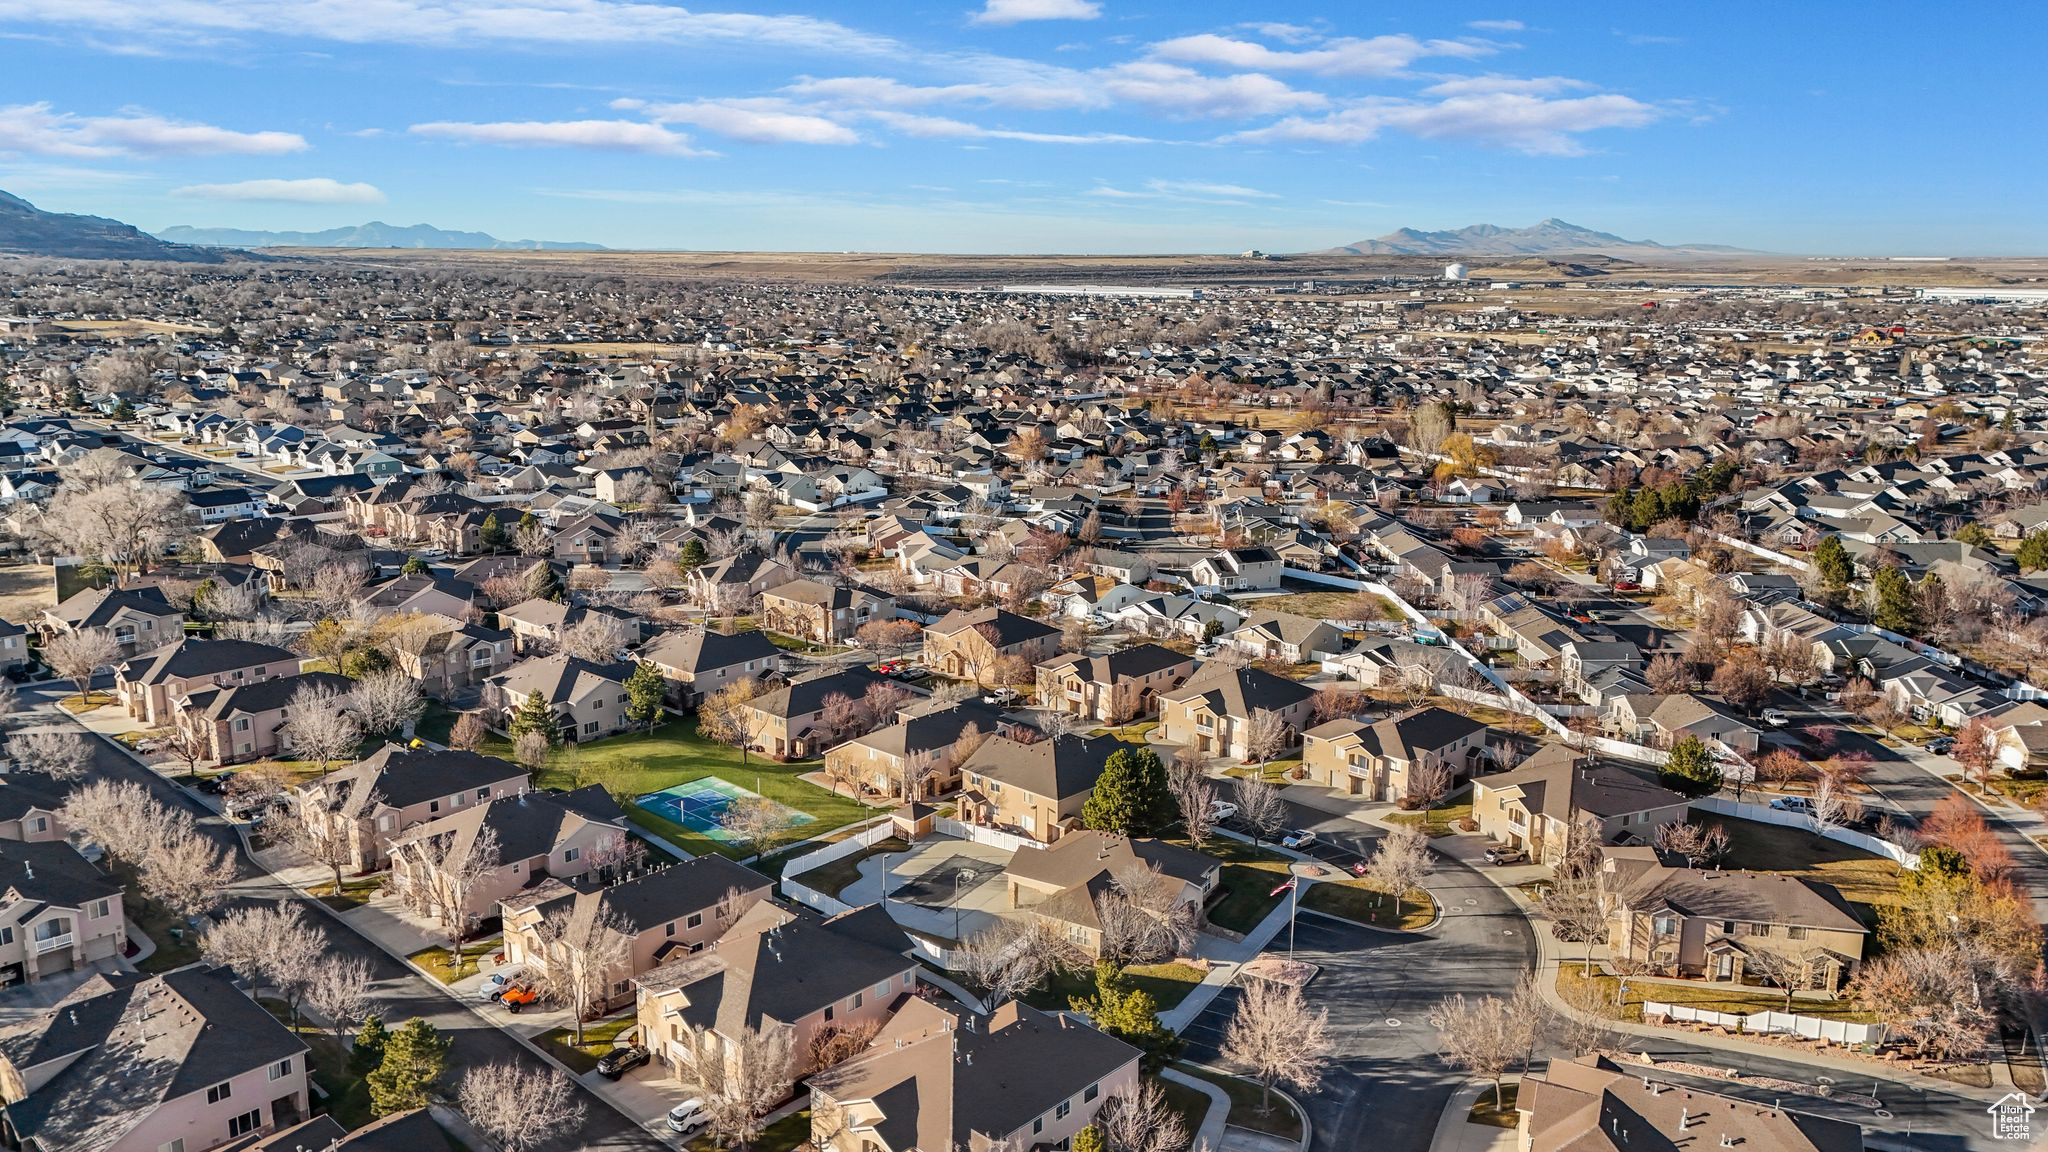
x,y
27,230
1547,237
375,234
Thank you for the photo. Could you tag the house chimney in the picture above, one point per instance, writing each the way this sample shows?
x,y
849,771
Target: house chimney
x,y
1684,1118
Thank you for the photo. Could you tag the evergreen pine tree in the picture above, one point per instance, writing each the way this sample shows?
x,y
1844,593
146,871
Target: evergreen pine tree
x,y
414,1058
644,690
534,715
369,1047
1130,798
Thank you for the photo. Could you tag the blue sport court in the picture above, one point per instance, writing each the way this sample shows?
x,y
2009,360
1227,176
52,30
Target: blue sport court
x,y
700,805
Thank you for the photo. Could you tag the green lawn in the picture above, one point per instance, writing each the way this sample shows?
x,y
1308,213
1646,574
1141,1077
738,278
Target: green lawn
x,y
1249,1107
1168,985
836,876
1712,997
1272,771
635,764
788,1134
1358,901
1439,821
1192,1103
355,892
1861,877
599,1036
1484,1110
437,724
1249,876
438,961
348,1097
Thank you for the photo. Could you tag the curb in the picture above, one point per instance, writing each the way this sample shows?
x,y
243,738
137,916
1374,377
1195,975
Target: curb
x,y
1308,1128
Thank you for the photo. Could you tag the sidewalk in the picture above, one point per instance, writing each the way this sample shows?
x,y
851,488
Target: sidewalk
x,y
1456,1133
1225,957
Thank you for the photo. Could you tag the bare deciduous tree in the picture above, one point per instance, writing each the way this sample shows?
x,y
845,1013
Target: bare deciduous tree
x,y
389,699
339,989
1484,1036
1400,863
320,726
1143,916
1697,843
519,1107
599,638
1266,736
1577,910
1277,1036
755,821
76,655
1141,1120
739,1077
272,945
531,751
1260,807
443,879
582,954
60,755
184,870
1195,795
118,815
1014,955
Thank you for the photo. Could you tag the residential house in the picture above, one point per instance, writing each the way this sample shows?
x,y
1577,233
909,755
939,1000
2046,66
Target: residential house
x,y
31,806
1594,1104
1382,759
240,722
665,913
779,970
1285,638
460,656
541,625
1035,790
58,913
922,743
1706,924
822,613
139,619
1246,569
968,644
1115,688
516,841
589,699
937,1079
698,661
394,790
786,723
131,1063
1536,804
1065,882
1218,709
150,685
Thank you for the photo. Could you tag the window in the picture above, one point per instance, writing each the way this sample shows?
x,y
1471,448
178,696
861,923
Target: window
x,y
569,855
1664,925
1093,1091
433,805
1038,1126
1060,1113
882,989
246,1123
1759,929
1796,932
908,979
589,726
1727,927
7,934
40,824
669,929
241,723
828,1013
177,1145
483,793
219,1092
696,920
101,909
281,1069
856,1000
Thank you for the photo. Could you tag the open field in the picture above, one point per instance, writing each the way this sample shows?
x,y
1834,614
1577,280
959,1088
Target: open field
x,y
25,590
972,271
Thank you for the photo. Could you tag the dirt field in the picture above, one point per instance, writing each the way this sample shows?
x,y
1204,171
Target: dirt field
x,y
25,590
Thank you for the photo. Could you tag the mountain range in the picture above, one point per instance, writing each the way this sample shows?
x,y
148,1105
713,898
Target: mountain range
x,y
375,234
1552,237
29,231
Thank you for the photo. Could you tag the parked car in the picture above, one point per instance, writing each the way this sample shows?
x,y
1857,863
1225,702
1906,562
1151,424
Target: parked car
x,y
1000,696
1503,854
217,783
1941,745
1299,839
1799,804
619,1061
1775,718
517,996
494,985
687,1116
1221,810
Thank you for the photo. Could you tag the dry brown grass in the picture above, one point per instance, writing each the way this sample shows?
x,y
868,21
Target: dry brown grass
x,y
25,590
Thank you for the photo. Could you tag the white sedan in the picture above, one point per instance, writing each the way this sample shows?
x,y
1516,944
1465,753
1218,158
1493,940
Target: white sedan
x,y
1299,839
1221,810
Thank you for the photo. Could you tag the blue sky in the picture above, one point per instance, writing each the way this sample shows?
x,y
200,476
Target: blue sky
x,y
1037,125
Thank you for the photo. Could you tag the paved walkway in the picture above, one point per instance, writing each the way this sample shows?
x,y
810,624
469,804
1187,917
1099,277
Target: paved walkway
x,y
1456,1133
1225,957
1215,1120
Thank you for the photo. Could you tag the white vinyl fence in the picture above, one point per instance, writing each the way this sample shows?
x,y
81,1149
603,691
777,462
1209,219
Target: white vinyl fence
x,y
839,850
993,837
1722,806
1774,1023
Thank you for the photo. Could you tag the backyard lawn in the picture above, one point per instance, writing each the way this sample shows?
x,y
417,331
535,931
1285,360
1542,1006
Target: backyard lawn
x,y
348,1097
788,1134
633,765
599,1036
1358,901
1700,994
1861,877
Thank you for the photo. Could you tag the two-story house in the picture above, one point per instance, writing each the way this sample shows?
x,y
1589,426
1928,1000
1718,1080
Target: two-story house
x,y
1215,711
822,613
243,722
376,800
696,662
1706,924
1061,883
967,643
1378,759
1238,569
1114,688
787,722
589,700
1536,804
149,685
1035,790
130,1063
58,913
513,842
925,741
140,619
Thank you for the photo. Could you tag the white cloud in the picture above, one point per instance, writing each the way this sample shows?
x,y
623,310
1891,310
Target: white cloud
x,y
37,130
464,22
317,190
1485,85
1496,25
1343,56
1504,119
761,121
1194,191
1019,11
1181,91
944,128
616,135
1062,89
